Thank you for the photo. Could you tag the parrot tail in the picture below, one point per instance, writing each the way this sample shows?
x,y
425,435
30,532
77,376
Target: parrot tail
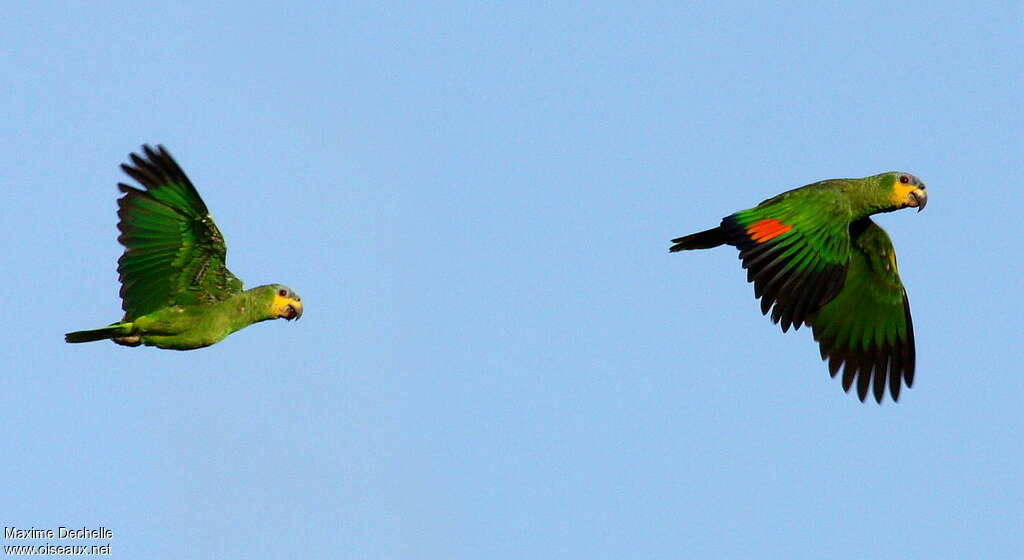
x,y
703,240
115,330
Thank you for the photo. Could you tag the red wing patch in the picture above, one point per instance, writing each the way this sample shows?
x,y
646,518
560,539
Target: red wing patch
x,y
766,230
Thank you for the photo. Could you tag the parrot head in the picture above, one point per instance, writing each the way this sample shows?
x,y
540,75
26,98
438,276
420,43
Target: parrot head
x,y
907,191
286,304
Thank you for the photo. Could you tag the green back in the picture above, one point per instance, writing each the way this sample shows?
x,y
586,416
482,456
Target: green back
x,y
174,254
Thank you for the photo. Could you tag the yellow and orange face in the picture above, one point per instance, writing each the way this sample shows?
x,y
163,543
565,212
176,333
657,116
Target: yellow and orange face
x,y
287,304
908,190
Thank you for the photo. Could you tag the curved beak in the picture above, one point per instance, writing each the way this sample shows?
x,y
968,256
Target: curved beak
x,y
917,198
293,310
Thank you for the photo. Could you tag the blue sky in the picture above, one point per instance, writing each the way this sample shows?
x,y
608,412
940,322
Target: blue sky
x,y
499,358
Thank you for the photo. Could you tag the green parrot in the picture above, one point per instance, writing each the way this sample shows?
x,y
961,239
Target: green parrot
x,y
176,291
816,259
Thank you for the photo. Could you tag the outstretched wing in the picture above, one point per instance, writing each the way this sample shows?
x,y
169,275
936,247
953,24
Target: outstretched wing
x,y
174,254
795,248
867,326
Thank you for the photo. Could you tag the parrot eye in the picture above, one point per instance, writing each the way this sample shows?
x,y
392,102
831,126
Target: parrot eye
x,y
282,293
904,179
